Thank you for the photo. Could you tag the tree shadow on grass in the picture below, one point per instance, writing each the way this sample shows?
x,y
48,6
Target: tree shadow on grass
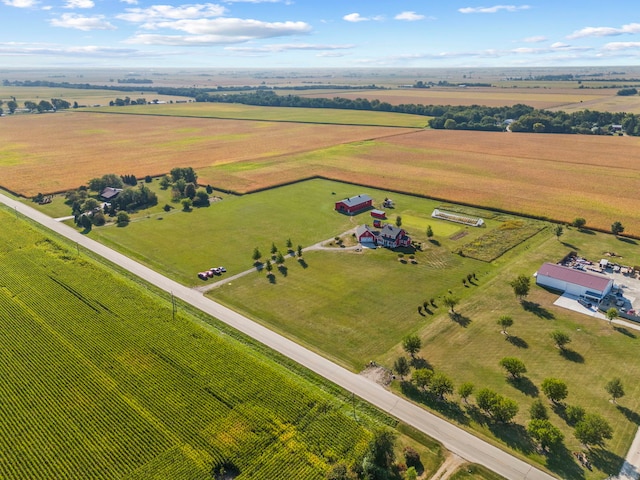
x,y
434,242
571,355
517,341
606,461
627,240
303,263
283,270
514,435
625,331
561,462
460,319
568,245
630,415
272,278
537,310
449,409
420,362
525,385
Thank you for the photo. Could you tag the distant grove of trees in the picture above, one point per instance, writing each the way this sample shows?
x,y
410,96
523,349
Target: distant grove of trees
x,y
517,118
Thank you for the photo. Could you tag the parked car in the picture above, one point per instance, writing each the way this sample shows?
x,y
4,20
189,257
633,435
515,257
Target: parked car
x,y
203,275
584,303
222,269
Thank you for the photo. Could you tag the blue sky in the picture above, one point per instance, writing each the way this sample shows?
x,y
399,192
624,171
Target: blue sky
x,y
318,33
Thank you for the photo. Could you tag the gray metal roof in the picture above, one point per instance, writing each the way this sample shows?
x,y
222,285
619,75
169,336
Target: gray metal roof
x,y
357,200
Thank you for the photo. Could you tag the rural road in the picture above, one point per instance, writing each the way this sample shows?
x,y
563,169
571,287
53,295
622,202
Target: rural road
x,y
452,437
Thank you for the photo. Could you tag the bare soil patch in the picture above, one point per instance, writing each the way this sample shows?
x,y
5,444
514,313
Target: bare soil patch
x,y
378,374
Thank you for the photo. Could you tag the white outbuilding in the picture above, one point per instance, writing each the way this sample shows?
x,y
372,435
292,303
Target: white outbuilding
x,y
576,282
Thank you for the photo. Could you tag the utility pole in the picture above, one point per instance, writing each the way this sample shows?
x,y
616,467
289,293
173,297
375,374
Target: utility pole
x,y
173,307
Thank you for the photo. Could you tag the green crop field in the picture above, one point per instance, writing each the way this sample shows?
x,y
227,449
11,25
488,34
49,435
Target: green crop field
x,y
274,114
104,383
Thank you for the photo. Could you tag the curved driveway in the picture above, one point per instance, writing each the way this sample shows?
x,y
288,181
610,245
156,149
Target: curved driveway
x,y
452,437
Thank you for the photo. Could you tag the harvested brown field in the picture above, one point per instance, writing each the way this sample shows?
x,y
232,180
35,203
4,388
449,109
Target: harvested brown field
x,y
555,176
542,98
560,177
55,152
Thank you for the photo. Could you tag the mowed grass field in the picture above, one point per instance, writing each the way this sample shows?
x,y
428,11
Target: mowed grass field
x,y
273,114
104,382
353,306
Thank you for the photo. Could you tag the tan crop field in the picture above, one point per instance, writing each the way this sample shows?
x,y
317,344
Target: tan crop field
x,y
542,98
556,176
54,152
559,177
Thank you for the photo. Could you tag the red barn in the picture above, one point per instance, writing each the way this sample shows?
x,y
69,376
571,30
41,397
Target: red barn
x,y
353,205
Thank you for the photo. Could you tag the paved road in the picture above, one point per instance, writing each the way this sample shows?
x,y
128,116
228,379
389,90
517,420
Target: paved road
x,y
453,438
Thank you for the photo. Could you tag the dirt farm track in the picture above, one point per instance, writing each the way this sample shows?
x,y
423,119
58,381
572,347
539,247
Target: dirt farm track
x,y
556,176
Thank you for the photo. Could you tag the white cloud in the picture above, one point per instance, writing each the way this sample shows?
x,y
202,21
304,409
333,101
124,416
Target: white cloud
x,y
169,12
21,49
80,22
535,39
283,47
617,46
130,2
494,9
21,3
220,31
79,4
605,31
409,16
356,17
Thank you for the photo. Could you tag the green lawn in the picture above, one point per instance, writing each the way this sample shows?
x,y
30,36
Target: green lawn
x,y
280,114
104,382
356,306
181,244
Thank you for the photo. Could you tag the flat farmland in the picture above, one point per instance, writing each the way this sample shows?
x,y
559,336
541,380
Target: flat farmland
x,y
80,95
105,382
54,152
542,98
555,176
275,114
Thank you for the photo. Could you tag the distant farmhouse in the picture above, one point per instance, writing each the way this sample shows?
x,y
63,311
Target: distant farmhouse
x,y
389,236
353,205
109,193
591,286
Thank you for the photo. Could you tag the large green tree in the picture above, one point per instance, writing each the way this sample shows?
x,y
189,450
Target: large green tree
x,y
615,389
545,433
560,338
617,228
593,429
411,344
401,367
505,321
514,366
521,286
555,390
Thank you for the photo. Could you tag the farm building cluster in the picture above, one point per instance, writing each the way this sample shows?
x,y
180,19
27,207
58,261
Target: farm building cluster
x,y
381,234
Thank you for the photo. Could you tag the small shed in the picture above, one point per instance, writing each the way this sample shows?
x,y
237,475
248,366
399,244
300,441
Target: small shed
x,y
379,214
